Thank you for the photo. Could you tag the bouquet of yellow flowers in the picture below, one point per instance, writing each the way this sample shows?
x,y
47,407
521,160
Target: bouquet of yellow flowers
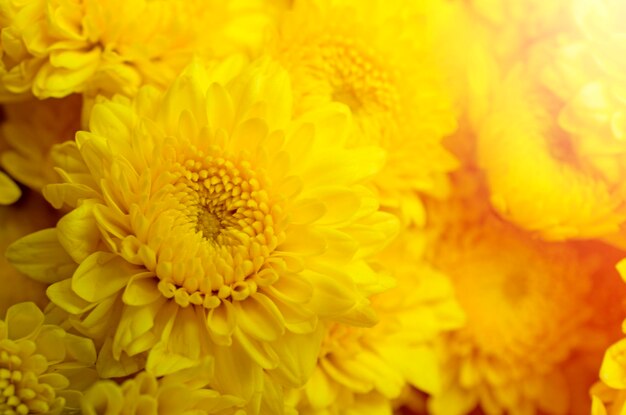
x,y
316,207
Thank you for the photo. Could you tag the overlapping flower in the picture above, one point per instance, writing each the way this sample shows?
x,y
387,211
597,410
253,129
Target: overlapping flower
x,y
317,207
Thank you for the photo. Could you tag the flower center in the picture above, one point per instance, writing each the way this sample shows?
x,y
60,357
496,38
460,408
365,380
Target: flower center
x,y
535,287
20,390
344,70
208,224
226,228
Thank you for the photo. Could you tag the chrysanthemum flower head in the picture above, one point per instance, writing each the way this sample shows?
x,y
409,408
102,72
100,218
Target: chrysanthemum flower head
x,y
52,48
363,370
29,132
377,59
207,220
587,76
539,314
530,158
29,214
562,110
42,367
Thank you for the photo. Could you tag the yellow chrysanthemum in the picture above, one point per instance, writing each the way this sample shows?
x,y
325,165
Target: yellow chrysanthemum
x,y
378,59
208,221
29,214
539,176
361,371
539,314
42,367
53,48
29,132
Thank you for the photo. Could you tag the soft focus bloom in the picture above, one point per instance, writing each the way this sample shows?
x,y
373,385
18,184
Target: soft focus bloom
x,y
362,370
207,221
42,367
559,124
379,60
539,314
27,215
29,132
539,177
53,48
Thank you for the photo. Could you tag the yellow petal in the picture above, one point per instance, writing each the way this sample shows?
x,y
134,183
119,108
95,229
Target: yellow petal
x,y
141,289
134,322
23,320
341,204
221,322
260,352
109,367
41,257
80,349
298,357
307,211
101,275
332,295
105,397
78,232
613,369
303,240
9,191
220,108
68,194
259,317
318,390
62,295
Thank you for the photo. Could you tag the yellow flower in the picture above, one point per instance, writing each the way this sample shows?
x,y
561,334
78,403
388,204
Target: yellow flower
x,y
53,48
208,221
530,158
378,59
29,132
361,371
42,367
559,124
29,214
539,314
586,75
